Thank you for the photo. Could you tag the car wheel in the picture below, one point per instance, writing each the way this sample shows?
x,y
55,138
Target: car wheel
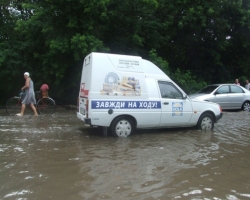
x,y
246,106
206,122
122,126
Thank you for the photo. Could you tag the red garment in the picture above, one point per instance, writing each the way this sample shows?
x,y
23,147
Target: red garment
x,y
44,88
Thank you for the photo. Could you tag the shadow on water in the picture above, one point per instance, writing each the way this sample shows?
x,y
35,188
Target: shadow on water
x,y
98,131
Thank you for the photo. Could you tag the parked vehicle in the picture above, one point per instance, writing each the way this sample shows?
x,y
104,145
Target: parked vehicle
x,y
121,93
229,96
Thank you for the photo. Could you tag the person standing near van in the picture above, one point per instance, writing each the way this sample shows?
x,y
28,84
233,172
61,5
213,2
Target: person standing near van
x,y
237,81
29,95
247,86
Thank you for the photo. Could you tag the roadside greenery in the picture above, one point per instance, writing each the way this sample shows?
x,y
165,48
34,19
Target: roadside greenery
x,y
194,42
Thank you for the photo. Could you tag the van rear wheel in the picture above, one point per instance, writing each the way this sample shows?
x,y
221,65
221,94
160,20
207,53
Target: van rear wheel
x,y
122,126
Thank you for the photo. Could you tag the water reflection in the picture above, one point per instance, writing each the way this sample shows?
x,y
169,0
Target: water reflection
x,y
56,157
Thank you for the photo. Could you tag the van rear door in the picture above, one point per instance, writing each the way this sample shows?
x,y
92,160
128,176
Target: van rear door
x,y
85,87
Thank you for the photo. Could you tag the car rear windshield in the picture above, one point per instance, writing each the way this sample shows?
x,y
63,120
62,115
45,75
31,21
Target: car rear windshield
x,y
208,89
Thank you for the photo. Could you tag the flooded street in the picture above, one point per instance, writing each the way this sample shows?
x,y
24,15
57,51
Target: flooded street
x,y
57,157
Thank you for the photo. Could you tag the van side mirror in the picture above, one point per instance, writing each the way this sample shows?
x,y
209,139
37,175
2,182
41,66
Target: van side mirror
x,y
184,96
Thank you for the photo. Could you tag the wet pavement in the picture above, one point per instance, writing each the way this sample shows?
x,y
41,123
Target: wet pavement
x,y
57,157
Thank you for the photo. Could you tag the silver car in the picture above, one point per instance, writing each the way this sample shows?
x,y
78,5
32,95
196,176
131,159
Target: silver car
x,y
229,96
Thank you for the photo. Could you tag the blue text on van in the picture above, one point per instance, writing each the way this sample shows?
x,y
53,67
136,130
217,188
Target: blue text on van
x,y
126,104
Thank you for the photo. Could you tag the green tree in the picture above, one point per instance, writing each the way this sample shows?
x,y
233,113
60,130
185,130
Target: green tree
x,y
202,36
53,38
204,41
10,59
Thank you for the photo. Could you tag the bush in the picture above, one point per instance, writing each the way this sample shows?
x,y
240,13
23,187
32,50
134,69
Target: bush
x,y
187,81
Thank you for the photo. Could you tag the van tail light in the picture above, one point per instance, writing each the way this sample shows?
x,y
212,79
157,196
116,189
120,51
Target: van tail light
x,y
87,108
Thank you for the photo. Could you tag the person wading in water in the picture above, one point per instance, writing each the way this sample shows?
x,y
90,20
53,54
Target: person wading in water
x,y
29,95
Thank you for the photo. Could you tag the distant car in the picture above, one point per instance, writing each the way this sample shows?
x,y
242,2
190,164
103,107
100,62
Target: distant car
x,y
228,96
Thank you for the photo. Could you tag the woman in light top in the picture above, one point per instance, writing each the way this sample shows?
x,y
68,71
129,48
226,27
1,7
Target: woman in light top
x,y
29,95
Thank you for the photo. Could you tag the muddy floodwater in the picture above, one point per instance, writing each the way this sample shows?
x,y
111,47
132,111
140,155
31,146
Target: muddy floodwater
x,y
57,157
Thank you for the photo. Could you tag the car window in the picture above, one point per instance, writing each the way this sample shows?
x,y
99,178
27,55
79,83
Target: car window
x,y
169,91
236,89
223,90
208,89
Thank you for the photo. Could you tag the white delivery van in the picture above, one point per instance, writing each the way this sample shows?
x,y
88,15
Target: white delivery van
x,y
121,93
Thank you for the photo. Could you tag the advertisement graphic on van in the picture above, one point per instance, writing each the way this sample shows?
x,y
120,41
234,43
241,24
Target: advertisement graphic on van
x,y
126,86
177,108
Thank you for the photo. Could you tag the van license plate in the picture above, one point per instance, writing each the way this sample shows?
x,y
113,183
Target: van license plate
x,y
82,111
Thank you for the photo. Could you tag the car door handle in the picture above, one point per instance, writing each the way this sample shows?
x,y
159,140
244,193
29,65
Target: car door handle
x,y
165,103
